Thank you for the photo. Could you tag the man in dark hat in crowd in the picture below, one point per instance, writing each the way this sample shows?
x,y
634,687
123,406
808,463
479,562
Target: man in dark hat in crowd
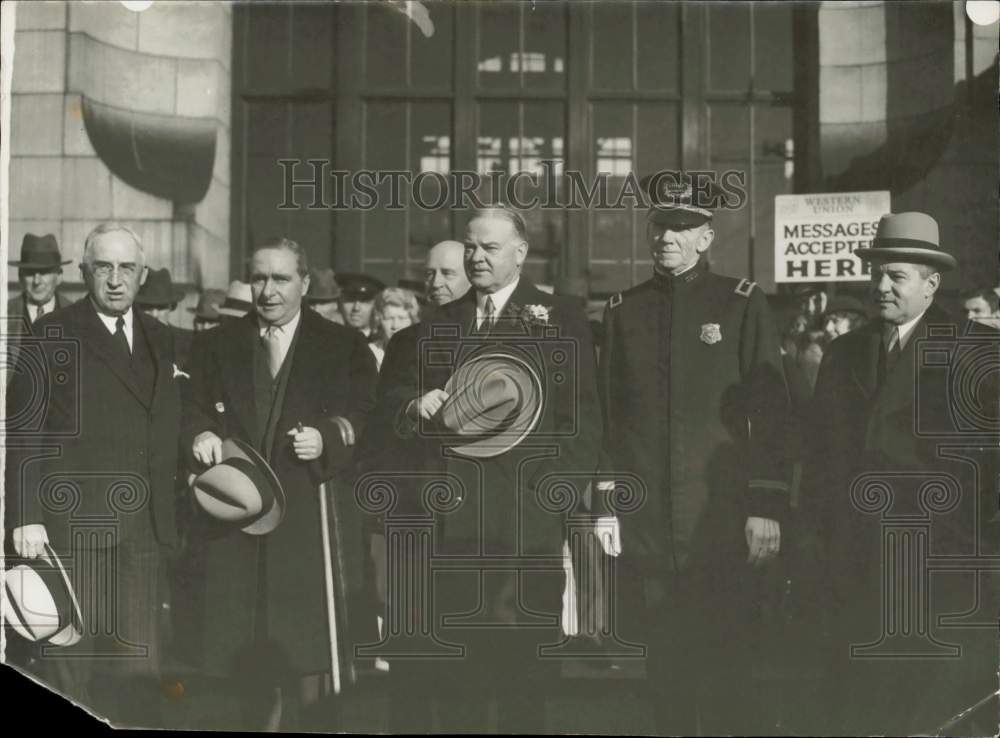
x,y
357,300
695,407
39,271
278,379
206,312
324,294
901,407
105,501
506,519
158,298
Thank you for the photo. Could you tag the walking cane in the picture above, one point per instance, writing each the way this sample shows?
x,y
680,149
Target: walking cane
x,y
347,436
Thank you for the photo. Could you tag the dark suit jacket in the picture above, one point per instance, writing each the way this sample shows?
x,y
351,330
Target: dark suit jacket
x,y
16,306
871,446
332,374
509,504
110,453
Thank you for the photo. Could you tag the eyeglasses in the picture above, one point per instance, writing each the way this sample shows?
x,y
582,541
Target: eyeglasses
x,y
104,269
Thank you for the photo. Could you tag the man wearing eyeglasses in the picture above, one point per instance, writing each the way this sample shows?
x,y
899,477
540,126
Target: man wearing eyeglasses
x,y
97,483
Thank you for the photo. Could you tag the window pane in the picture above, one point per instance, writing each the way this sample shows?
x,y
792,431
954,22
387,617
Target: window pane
x,y
659,47
543,63
385,45
612,45
659,137
730,251
729,132
499,60
311,46
728,56
774,174
613,151
267,141
431,64
430,151
311,138
385,148
773,47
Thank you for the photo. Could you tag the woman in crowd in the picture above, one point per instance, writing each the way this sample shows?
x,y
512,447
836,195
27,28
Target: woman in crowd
x,y
395,309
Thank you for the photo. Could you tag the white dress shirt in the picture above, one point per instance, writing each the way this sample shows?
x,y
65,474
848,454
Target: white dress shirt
x,y
50,306
905,331
285,334
500,299
110,322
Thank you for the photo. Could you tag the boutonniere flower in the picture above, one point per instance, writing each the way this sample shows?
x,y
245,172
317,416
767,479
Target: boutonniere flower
x,y
711,333
534,314
179,373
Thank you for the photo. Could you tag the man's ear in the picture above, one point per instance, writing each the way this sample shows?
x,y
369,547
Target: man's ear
x,y
522,252
143,274
305,284
705,240
934,280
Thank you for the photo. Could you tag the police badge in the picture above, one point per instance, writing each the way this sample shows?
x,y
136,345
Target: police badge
x,y
710,333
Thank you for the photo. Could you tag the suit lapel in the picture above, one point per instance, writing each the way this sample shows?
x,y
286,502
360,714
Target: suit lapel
x,y
158,340
103,346
237,372
864,369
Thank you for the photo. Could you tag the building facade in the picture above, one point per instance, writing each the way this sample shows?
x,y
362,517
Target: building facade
x,y
174,120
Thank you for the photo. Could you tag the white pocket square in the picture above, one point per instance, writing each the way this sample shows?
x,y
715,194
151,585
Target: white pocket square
x,y
220,408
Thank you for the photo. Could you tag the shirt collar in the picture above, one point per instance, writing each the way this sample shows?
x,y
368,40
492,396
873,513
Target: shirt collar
x,y
500,298
111,321
286,329
50,306
905,331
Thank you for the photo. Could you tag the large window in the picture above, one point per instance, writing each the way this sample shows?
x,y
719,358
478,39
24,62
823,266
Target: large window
x,y
601,88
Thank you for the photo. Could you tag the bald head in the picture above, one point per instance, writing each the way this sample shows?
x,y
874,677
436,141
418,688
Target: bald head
x,y
444,274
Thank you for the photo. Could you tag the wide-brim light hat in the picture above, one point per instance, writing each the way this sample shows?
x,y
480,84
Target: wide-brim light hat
x,y
239,300
40,604
495,401
912,238
241,490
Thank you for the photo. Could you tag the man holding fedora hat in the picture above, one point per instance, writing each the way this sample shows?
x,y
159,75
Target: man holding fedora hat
x,y
97,479
39,271
495,389
904,405
296,390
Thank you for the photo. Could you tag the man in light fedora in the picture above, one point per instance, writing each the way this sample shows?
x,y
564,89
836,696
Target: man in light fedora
x,y
96,480
902,439
39,270
505,520
279,379
206,312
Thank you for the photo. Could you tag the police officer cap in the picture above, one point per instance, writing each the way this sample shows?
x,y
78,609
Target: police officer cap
x,y
361,287
676,200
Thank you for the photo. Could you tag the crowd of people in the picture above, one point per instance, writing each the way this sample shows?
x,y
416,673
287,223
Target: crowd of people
x,y
222,478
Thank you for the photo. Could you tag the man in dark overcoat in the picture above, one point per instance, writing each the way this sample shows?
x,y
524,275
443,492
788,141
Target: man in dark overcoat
x,y
97,481
258,379
902,446
509,518
695,408
39,270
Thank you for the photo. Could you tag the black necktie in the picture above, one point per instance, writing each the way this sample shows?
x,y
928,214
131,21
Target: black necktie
x,y
120,340
39,312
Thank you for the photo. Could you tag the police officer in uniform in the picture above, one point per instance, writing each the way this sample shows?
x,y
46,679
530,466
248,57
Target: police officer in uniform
x,y
695,406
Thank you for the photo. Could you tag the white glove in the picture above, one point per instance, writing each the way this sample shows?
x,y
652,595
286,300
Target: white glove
x,y
30,540
609,534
